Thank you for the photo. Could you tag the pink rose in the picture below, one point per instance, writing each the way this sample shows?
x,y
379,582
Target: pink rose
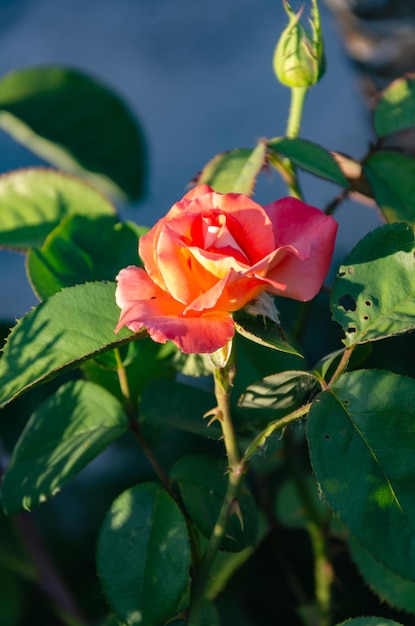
x,y
211,255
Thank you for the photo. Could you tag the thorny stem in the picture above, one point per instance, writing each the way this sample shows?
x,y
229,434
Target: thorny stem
x,y
236,469
132,412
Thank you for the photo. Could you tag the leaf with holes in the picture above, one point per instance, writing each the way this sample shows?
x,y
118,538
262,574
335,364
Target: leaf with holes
x,y
374,293
361,435
143,556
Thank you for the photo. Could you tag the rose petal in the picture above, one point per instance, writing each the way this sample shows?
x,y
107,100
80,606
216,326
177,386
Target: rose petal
x,y
138,297
200,335
311,233
144,305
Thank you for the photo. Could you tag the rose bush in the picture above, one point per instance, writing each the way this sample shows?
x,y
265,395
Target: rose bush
x,y
211,255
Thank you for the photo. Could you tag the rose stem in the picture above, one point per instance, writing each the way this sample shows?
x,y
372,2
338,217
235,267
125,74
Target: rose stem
x,y
236,469
316,525
298,95
132,413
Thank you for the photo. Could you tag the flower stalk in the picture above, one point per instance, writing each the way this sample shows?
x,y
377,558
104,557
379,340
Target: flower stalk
x,y
223,379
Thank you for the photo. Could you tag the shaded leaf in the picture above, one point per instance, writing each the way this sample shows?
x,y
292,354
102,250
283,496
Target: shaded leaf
x,y
369,621
310,157
395,109
179,406
388,586
76,123
234,171
34,201
374,293
392,178
63,435
361,436
60,333
280,393
143,556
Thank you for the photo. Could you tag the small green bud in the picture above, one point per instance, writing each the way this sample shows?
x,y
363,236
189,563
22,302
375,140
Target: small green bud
x,y
299,55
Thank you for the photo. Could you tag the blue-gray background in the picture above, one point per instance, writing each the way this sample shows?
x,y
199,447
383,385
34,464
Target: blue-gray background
x,y
199,77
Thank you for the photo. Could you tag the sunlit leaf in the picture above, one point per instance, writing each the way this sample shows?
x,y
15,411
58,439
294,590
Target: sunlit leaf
x,y
143,556
392,178
361,435
34,201
60,333
82,249
63,435
374,293
395,109
76,123
234,171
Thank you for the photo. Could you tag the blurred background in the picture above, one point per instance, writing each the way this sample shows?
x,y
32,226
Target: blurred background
x,y
199,78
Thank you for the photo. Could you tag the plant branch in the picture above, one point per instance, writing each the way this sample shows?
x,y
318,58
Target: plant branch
x,y
223,378
132,414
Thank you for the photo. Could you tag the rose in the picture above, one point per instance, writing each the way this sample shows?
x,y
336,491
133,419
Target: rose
x,y
214,253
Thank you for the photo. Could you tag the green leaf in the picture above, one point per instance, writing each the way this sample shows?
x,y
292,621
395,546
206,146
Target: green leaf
x,y
392,178
82,249
311,158
265,332
76,123
195,365
280,393
203,482
395,109
388,586
234,171
179,406
361,435
143,556
34,201
60,333
63,435
369,621
374,293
